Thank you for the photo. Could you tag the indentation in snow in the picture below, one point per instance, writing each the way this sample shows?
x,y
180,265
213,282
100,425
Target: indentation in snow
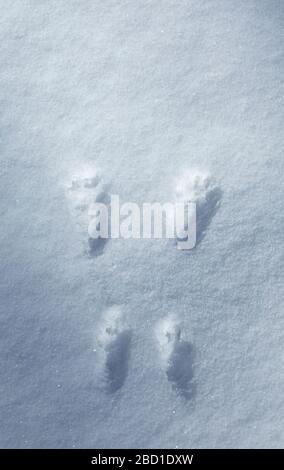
x,y
84,187
176,355
113,341
201,188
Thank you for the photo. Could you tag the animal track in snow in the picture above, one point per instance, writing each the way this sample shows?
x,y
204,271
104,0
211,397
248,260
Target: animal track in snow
x,y
199,187
84,188
176,355
113,349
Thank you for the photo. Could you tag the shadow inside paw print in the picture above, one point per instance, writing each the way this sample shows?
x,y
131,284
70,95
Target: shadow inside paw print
x,y
206,211
96,246
117,358
180,369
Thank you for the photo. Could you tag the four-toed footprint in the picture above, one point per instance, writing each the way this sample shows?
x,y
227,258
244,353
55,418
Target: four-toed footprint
x,y
199,187
176,355
113,348
84,188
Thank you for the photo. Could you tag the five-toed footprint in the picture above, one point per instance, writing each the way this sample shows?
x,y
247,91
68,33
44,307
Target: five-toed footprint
x,y
176,355
113,348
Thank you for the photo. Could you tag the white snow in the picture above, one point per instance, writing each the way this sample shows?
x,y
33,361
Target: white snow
x,y
153,94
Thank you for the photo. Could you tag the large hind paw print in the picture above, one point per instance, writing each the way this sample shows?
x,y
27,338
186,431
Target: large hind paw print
x,y
199,187
84,188
113,349
176,356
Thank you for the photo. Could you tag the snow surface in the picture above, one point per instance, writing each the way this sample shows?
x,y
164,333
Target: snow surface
x,y
147,92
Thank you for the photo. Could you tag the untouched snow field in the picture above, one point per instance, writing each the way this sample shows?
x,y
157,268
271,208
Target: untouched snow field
x,y
133,343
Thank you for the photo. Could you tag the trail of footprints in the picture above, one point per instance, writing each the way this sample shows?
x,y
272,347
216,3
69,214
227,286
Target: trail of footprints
x,y
87,186
113,344
113,352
